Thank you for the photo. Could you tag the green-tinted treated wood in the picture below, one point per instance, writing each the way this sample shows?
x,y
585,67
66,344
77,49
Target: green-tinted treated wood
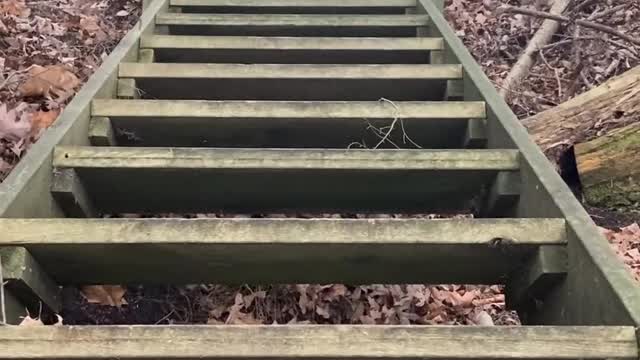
x,y
146,56
137,179
598,288
288,109
475,136
101,132
285,124
296,3
529,285
290,50
263,159
127,89
71,195
289,43
290,20
503,195
26,191
319,342
289,71
280,250
28,282
322,82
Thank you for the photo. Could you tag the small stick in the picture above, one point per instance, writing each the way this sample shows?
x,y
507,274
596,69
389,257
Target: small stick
x,y
3,311
564,19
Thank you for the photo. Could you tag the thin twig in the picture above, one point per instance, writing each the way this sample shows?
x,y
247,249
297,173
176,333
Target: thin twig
x,y
564,19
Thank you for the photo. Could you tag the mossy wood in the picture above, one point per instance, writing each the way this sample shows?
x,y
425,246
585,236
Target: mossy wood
x,y
609,168
162,152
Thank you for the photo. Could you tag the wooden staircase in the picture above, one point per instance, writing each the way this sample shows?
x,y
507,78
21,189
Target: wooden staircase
x,y
303,107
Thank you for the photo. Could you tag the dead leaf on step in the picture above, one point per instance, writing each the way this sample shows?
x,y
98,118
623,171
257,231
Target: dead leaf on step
x,y
112,295
41,120
49,80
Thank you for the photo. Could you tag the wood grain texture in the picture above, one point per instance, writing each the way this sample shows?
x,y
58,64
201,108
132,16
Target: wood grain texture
x,y
289,43
288,71
318,342
292,20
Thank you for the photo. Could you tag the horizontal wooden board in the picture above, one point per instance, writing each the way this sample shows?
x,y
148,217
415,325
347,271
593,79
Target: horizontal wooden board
x,y
321,82
318,342
289,71
296,3
286,124
289,43
264,159
289,109
290,50
281,250
290,24
292,20
188,179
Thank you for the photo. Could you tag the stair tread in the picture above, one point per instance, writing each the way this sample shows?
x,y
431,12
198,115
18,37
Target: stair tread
x,y
321,341
283,250
289,43
292,20
290,71
283,231
290,109
210,158
296,3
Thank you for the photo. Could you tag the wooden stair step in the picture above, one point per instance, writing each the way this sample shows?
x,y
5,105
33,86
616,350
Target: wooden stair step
x,y
308,50
339,124
296,7
282,250
319,342
122,179
326,82
292,24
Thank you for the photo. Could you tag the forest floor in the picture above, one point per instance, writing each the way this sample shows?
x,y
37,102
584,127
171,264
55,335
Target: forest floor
x,y
49,48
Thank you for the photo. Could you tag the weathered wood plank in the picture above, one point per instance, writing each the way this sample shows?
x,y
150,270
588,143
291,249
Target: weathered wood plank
x,y
318,82
70,193
292,20
27,281
290,50
289,43
289,71
319,342
285,124
288,109
296,3
281,250
128,179
101,131
184,158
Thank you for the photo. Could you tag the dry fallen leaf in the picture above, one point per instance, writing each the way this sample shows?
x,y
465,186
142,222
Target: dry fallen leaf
x,y
112,295
14,123
49,80
14,8
41,120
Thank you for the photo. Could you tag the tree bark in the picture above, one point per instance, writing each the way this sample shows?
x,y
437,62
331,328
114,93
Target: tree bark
x,y
609,168
611,105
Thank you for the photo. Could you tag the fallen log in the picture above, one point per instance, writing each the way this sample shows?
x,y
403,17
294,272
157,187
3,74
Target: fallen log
x,y
609,168
614,104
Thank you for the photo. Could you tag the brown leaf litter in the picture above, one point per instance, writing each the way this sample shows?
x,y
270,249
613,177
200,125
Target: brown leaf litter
x,y
47,50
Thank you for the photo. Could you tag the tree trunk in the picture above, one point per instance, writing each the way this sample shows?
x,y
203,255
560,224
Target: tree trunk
x,y
611,105
609,168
